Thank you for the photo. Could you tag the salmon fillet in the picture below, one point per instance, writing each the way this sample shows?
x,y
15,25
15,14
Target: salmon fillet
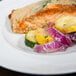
x,y
41,18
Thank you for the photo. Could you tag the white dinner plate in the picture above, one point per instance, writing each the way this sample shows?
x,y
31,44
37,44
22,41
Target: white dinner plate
x,y
16,56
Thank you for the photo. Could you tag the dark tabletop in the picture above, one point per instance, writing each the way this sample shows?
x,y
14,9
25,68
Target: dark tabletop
x,y
5,72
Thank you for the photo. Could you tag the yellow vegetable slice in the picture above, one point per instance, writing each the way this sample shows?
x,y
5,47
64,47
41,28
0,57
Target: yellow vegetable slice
x,y
70,29
66,24
42,37
49,39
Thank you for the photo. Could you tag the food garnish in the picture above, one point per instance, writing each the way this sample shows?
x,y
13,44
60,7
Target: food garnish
x,y
49,25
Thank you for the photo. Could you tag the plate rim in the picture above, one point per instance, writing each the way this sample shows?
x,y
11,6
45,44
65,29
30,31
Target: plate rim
x,y
32,55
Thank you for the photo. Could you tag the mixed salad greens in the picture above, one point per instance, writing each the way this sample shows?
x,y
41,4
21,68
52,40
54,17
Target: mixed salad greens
x,y
55,37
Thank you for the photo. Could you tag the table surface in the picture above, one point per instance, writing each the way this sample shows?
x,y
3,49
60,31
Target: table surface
x,y
5,72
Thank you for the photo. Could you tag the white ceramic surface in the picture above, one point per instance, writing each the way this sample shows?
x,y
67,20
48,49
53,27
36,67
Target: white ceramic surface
x,y
16,56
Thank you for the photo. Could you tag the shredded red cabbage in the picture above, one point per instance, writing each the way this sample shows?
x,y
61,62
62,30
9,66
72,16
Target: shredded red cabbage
x,y
72,36
60,43
65,40
51,24
51,47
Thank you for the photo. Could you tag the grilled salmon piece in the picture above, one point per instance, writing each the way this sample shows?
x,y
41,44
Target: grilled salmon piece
x,y
21,23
